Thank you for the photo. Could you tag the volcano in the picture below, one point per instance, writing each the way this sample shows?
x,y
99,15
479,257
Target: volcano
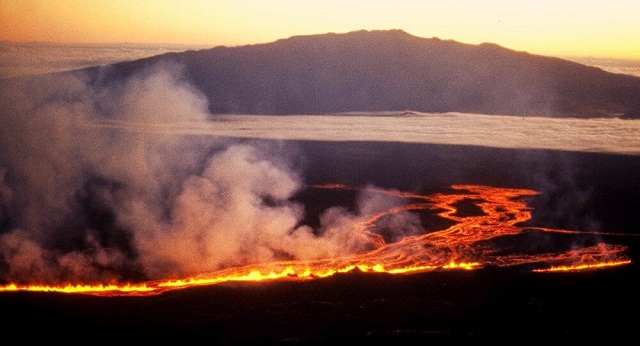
x,y
128,212
392,70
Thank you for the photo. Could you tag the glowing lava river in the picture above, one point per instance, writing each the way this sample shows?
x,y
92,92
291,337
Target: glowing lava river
x,y
469,242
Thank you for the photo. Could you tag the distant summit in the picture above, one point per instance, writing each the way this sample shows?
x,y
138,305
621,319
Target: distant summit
x,y
391,70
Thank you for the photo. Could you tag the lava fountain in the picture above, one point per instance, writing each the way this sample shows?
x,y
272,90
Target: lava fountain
x,y
470,242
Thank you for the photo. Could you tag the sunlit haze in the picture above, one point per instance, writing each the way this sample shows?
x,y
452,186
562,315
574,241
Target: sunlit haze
x,y
594,28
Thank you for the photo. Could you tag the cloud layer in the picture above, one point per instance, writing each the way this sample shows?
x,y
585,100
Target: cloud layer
x,y
582,135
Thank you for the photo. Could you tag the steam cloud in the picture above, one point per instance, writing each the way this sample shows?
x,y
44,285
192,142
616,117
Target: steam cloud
x,y
84,202
137,181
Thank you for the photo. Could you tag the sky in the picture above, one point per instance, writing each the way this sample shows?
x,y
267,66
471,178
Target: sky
x,y
587,28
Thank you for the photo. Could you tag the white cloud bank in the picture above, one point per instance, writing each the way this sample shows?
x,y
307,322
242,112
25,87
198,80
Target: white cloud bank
x,y
582,135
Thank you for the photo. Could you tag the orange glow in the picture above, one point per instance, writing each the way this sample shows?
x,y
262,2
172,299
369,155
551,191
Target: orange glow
x,y
561,28
469,243
106,290
586,266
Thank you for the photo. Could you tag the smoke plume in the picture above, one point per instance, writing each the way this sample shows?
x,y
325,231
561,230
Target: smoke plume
x,y
99,184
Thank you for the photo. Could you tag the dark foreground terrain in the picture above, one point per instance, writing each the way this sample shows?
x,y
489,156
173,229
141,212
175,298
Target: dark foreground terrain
x,y
492,305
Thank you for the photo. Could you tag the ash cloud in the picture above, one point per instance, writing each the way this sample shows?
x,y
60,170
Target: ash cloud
x,y
137,200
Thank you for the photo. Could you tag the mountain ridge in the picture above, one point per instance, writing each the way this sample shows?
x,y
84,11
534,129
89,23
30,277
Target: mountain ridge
x,y
391,70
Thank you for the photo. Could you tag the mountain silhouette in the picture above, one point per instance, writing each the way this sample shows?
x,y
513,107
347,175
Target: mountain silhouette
x,y
391,70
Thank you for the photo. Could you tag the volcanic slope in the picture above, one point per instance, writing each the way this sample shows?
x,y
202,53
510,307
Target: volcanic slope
x,y
391,71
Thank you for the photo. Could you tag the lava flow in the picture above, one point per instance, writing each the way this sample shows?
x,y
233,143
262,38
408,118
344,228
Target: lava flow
x,y
470,242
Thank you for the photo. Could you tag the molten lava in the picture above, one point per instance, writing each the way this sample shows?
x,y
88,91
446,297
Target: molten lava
x,y
470,242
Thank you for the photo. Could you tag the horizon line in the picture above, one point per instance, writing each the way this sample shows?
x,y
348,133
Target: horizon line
x,y
213,45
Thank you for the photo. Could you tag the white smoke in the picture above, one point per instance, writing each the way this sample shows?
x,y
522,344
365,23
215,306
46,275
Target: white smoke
x,y
221,216
134,180
84,202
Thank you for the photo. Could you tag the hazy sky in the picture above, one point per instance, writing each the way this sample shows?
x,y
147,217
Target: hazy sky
x,y
597,28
